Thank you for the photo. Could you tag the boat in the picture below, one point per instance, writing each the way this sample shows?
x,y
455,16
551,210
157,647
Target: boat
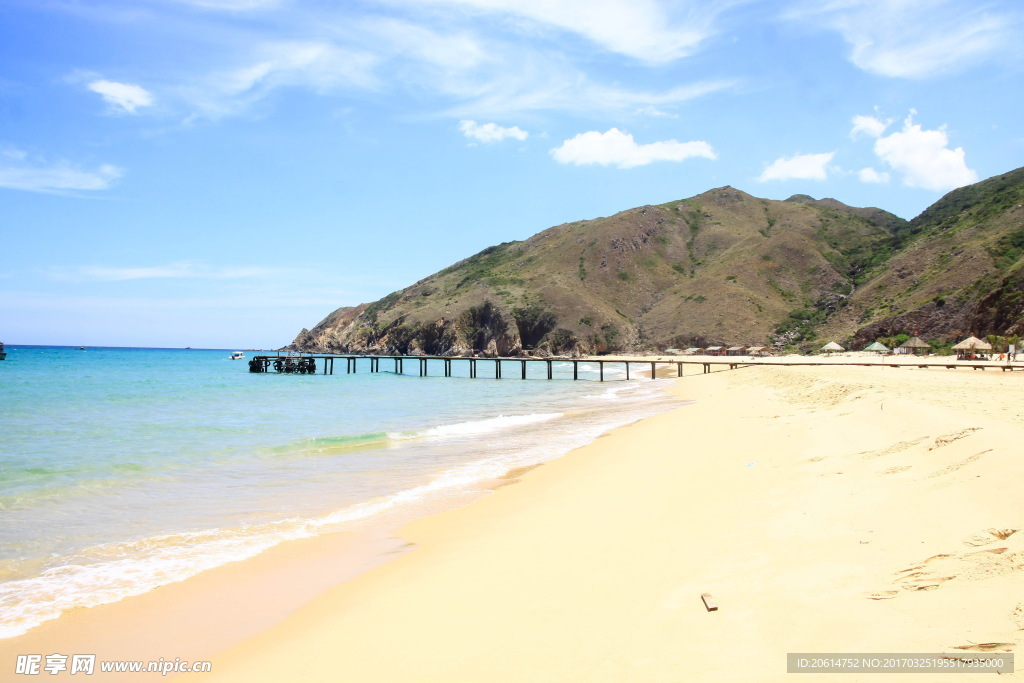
x,y
3,354
237,355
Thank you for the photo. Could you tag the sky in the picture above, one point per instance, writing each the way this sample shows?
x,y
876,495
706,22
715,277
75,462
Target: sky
x,y
224,173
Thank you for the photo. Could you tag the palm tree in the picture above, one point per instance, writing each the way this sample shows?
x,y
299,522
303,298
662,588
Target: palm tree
x,y
996,341
1014,341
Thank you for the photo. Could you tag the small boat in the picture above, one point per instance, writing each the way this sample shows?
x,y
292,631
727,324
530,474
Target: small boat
x,y
3,354
237,355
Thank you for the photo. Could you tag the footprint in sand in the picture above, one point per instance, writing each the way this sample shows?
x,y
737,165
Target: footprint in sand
x,y
883,595
934,571
941,556
947,439
957,465
895,448
1018,616
915,568
989,536
986,647
921,581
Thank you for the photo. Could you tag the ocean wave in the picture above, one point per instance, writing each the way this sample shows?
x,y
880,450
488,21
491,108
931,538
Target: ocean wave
x,y
346,443
330,445
610,394
474,427
133,568
492,424
111,572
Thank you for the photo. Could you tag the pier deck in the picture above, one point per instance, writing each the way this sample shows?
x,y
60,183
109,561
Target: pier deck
x,y
497,368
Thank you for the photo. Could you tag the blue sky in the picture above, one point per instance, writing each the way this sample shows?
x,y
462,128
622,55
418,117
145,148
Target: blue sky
x,y
222,173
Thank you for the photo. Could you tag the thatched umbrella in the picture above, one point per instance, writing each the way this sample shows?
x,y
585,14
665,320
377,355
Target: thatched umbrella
x,y
830,347
968,346
916,345
877,347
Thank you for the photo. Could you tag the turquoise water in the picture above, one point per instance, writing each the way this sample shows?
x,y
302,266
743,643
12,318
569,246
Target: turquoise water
x,y
125,469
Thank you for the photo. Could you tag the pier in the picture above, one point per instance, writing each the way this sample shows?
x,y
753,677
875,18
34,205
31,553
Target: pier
x,y
494,368
499,368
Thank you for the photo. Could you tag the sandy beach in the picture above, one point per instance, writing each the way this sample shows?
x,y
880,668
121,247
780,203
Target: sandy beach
x,y
824,509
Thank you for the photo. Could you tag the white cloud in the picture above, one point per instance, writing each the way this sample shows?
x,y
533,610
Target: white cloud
x,y
320,66
563,89
868,125
468,59
924,159
918,38
647,30
452,50
798,167
361,53
654,112
490,132
232,5
181,270
488,74
122,96
19,172
618,148
870,175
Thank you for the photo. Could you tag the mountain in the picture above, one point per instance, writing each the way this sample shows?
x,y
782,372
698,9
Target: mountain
x,y
722,267
956,270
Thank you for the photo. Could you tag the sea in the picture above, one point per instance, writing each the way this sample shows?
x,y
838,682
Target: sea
x,y
124,469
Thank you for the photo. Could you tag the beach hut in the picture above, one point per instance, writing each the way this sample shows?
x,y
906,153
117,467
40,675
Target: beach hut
x,y
969,347
831,347
694,351
877,347
756,351
736,351
714,350
916,345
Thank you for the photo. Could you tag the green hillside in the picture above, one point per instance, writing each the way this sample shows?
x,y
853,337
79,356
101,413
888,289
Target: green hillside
x,y
956,270
723,267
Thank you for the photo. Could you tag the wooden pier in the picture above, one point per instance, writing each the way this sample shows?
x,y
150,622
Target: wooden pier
x,y
497,368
